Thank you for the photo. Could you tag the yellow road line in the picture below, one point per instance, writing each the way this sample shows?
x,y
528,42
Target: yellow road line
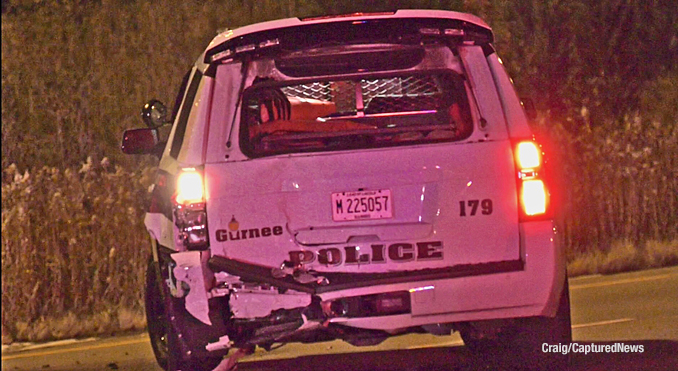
x,y
603,323
57,343
29,354
619,282
447,344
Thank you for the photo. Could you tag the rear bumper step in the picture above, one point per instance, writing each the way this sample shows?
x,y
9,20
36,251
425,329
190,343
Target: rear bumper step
x,y
343,281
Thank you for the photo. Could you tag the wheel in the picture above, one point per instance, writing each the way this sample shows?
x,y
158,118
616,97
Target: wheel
x,y
170,353
178,360
520,345
535,331
156,314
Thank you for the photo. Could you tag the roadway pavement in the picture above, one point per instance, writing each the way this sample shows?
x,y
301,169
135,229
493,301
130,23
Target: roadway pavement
x,y
638,308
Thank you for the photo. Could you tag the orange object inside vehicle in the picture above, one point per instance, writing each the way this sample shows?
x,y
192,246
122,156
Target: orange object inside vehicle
x,y
303,118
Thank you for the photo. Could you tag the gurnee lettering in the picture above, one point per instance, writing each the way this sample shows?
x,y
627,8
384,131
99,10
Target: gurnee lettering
x,y
223,235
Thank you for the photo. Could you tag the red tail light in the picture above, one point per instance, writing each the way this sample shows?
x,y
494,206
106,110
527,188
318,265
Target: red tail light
x,y
190,216
528,155
533,193
190,188
533,197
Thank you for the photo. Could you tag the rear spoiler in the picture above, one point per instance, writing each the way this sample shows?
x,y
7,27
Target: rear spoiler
x,y
411,31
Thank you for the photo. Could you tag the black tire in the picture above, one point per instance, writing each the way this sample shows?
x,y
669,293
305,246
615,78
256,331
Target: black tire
x,y
170,353
520,346
179,361
535,331
156,314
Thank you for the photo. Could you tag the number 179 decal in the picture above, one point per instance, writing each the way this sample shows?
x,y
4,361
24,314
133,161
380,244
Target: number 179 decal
x,y
470,207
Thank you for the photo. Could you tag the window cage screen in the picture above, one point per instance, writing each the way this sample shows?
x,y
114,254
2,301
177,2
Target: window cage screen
x,y
393,94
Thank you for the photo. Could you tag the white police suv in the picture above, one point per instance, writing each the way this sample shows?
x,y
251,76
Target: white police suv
x,y
349,177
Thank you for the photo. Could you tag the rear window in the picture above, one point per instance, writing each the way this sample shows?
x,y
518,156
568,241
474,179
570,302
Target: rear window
x,y
341,114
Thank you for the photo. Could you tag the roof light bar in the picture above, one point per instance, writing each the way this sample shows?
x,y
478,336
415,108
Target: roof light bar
x,y
230,53
222,55
453,32
358,14
267,43
429,31
245,48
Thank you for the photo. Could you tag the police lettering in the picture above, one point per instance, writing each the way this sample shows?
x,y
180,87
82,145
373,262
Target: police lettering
x,y
401,252
397,252
331,256
353,256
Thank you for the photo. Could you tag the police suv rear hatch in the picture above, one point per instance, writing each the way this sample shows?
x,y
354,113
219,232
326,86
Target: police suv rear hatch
x,y
351,170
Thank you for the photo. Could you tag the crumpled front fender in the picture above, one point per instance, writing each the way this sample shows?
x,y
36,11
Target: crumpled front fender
x,y
191,268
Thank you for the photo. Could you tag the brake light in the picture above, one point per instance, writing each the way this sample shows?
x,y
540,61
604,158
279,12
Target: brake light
x,y
190,187
534,197
533,192
189,210
528,155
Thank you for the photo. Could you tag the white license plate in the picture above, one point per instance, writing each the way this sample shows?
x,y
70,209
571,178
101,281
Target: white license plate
x,y
362,205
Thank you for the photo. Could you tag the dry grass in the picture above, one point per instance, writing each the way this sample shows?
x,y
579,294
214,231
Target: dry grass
x,y
73,247
623,256
71,326
662,254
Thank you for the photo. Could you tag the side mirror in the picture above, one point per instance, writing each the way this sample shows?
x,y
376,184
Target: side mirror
x,y
154,114
140,142
530,110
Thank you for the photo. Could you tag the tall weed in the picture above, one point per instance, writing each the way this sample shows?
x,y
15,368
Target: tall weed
x,y
73,241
